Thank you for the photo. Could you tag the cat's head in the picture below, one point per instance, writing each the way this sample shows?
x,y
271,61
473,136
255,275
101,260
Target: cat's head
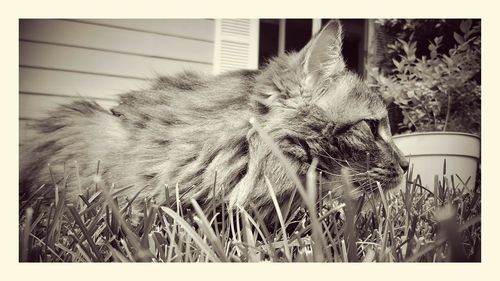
x,y
315,108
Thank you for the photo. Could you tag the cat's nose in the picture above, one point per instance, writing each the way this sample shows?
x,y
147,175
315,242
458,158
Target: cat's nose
x,y
404,164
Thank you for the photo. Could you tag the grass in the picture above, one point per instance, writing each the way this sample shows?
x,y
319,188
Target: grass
x,y
413,224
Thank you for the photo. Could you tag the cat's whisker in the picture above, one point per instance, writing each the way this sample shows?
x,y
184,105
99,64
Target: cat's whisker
x,y
335,175
333,158
340,177
336,161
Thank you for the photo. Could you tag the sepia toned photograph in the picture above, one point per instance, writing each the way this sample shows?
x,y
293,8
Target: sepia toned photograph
x,y
249,140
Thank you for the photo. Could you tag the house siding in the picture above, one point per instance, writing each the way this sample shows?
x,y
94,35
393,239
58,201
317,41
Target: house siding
x,y
60,60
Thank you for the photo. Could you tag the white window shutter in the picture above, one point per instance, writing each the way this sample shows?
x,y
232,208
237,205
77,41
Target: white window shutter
x,y
236,44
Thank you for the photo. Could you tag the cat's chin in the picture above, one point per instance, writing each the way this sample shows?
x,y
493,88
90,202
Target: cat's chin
x,y
389,185
396,183
392,185
357,189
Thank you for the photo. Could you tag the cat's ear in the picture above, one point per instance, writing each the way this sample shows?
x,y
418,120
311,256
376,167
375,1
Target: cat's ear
x,y
323,55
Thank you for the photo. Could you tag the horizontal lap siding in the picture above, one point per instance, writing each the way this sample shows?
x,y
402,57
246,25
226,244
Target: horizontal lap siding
x,y
65,83
116,40
199,29
61,60
48,56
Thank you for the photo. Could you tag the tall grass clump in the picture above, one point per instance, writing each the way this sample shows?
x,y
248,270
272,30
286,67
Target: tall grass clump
x,y
411,224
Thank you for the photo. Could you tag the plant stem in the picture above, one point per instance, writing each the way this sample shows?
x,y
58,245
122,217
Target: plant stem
x,y
411,121
448,110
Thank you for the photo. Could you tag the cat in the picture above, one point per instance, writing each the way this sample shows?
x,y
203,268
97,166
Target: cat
x,y
192,132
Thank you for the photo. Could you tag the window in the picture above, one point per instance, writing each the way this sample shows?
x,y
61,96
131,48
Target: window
x,y
297,32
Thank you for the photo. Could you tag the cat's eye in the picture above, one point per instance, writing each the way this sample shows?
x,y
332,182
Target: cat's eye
x,y
373,125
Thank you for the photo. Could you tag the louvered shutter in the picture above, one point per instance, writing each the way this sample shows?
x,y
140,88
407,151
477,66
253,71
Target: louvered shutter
x,y
236,44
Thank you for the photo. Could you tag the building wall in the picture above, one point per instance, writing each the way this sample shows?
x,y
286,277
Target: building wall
x,y
60,60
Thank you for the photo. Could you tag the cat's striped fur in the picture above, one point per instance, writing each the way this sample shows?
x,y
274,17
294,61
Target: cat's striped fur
x,y
188,128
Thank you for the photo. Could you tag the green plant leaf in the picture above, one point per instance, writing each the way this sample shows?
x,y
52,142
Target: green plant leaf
x,y
397,64
458,38
438,40
465,25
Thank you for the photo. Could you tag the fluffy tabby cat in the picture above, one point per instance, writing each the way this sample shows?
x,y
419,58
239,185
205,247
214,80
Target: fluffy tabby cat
x,y
187,128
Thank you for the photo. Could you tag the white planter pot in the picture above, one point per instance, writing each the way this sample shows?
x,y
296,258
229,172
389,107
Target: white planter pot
x,y
427,152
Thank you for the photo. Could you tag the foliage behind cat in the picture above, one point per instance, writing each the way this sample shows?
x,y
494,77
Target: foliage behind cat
x,y
186,129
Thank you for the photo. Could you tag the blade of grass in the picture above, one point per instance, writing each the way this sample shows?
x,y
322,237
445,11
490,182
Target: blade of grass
x,y
56,187
370,255
142,253
388,229
95,196
280,218
79,185
66,250
265,231
286,211
223,212
89,207
53,232
35,222
124,243
410,236
151,244
238,228
120,191
25,234
207,229
83,253
178,200
214,219
249,239
350,230
231,223
160,243
117,256
318,241
36,193
85,232
196,238
465,184
214,195
257,227
303,253
48,248
332,242
148,224
436,192
96,235
129,204
320,192
94,223
345,257
188,254
323,217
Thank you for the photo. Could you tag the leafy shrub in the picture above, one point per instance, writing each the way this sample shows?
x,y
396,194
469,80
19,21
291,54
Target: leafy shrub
x,y
439,92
